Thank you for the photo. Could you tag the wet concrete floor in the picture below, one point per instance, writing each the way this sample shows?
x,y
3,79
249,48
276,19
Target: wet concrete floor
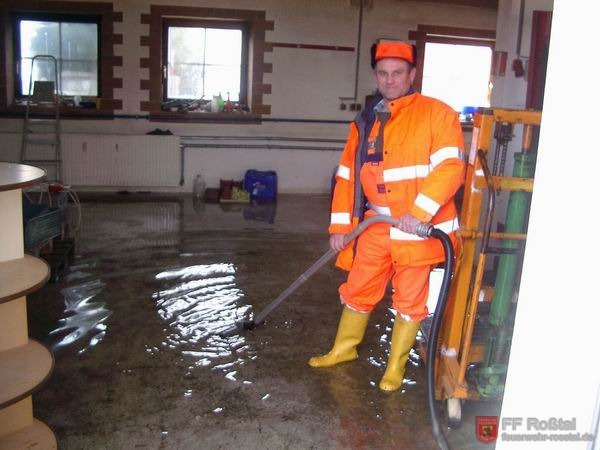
x,y
133,325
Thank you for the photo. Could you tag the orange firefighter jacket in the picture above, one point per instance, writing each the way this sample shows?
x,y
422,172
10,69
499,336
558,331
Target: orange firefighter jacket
x,y
423,167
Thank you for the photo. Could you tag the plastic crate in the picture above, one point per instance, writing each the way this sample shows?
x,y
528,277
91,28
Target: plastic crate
x,y
40,224
58,200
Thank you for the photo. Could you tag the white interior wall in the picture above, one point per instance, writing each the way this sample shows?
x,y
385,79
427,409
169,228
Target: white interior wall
x,y
306,171
306,72
510,91
553,370
306,84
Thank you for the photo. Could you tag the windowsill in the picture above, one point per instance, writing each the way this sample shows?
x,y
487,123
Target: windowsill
x,y
78,113
179,116
65,111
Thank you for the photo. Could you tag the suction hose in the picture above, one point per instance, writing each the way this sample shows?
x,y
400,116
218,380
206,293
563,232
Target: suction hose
x,y
427,230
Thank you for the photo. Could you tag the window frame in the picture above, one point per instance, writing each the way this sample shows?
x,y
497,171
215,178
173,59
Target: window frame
x,y
258,87
244,27
447,35
18,16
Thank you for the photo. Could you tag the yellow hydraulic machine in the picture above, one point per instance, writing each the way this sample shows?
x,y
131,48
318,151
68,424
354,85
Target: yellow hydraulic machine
x,y
476,332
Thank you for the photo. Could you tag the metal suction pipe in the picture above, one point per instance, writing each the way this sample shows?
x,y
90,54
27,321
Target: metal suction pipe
x,y
249,324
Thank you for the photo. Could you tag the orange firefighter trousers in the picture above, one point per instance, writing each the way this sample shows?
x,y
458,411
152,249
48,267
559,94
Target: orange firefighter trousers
x,y
372,270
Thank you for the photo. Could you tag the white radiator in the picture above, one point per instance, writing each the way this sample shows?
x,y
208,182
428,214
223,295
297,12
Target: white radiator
x,y
121,160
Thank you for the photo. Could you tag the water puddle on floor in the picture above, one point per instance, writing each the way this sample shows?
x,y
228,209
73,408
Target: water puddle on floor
x,y
199,302
85,319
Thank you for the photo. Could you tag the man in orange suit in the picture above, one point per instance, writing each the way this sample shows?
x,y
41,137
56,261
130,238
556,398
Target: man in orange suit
x,y
403,158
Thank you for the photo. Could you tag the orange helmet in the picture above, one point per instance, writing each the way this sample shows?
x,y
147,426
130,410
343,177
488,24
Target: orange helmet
x,y
393,49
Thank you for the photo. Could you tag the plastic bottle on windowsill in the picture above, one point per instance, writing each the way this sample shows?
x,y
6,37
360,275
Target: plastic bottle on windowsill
x,y
221,103
214,104
229,107
199,187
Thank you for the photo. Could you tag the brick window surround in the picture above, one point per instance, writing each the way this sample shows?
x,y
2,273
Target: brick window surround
x,y
256,88
108,60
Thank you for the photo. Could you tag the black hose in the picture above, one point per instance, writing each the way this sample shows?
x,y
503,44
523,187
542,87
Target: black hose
x,y
438,316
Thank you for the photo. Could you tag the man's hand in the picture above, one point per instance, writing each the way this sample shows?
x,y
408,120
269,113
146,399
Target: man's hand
x,y
408,223
336,242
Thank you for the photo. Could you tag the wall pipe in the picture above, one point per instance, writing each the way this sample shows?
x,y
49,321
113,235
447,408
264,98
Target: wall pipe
x,y
181,164
358,43
262,138
211,138
183,145
520,29
179,118
258,146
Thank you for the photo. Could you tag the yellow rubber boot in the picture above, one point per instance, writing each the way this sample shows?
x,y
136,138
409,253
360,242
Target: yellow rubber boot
x,y
351,331
403,338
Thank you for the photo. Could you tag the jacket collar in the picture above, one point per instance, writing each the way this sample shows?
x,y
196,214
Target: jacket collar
x,y
395,105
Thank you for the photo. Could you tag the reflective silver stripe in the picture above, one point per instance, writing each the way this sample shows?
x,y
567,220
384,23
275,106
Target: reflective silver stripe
x,y
444,153
447,227
405,173
399,235
426,204
343,172
340,218
383,210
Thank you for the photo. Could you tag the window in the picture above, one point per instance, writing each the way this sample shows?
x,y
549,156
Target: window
x,y
174,94
82,37
455,66
73,41
458,75
204,60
